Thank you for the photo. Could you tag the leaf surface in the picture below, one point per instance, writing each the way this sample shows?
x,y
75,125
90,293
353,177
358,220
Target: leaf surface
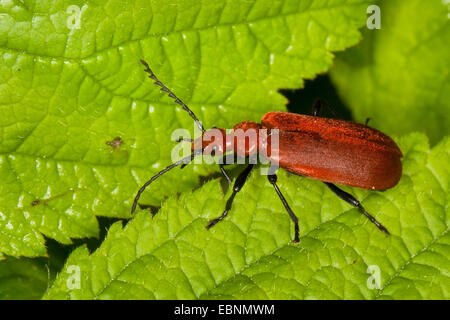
x,y
71,84
23,278
399,75
249,255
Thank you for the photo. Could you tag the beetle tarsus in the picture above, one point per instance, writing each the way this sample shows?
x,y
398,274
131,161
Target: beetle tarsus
x,y
371,218
347,197
213,222
381,227
238,184
296,237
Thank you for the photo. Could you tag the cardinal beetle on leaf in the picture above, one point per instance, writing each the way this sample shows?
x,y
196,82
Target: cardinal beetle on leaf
x,y
330,150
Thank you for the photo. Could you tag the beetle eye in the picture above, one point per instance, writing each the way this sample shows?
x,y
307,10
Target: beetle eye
x,y
213,151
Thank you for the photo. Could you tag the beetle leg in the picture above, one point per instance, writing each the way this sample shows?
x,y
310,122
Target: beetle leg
x,y
226,162
318,105
184,139
238,184
347,197
225,174
273,180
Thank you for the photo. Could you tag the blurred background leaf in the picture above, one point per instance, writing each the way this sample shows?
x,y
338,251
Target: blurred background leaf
x,y
399,75
23,278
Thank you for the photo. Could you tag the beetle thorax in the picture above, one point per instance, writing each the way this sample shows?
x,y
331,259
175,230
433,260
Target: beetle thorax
x,y
244,140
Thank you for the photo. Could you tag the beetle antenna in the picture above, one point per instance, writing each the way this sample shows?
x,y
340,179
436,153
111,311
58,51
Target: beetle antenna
x,y
171,94
185,160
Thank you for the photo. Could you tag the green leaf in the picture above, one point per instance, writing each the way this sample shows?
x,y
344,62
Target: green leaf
x,y
70,82
29,278
23,278
399,75
249,255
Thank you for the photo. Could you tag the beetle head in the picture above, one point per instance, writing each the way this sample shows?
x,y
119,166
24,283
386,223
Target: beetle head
x,y
212,142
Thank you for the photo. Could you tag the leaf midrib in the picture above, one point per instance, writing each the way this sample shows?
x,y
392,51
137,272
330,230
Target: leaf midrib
x,y
248,266
225,280
404,265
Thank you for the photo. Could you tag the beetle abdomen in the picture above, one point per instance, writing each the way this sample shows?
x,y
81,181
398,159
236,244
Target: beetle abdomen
x,y
336,151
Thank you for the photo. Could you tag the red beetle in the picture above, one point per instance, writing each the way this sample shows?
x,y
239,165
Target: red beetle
x,y
330,150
